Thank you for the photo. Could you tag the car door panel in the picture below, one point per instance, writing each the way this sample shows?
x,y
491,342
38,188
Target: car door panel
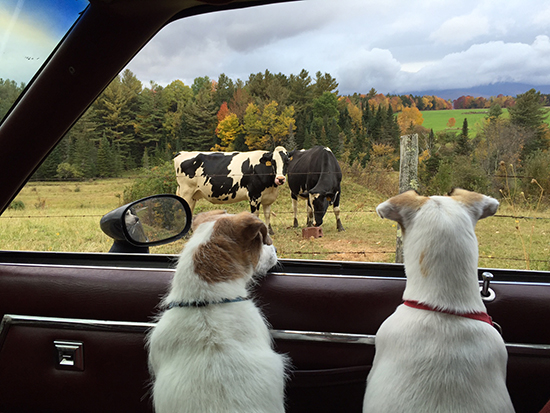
x,y
323,317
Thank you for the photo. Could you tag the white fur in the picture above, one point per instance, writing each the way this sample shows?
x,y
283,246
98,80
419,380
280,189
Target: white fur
x,y
430,361
218,358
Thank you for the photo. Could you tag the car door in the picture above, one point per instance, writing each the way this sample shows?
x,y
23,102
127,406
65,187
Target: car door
x,y
74,326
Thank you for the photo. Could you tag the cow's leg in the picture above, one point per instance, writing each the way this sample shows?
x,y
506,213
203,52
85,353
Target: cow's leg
x,y
255,209
336,209
267,217
310,211
191,202
295,209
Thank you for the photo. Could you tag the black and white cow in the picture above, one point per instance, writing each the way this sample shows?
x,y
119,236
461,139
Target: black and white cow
x,y
228,177
315,175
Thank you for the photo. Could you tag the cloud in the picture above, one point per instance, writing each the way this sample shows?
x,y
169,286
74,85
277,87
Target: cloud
x,y
484,64
391,45
461,29
374,68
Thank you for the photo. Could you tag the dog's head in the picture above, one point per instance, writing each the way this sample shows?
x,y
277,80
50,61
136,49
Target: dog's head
x,y
439,230
230,246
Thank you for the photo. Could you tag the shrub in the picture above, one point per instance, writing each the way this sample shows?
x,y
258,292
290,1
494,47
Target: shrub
x,y
17,205
157,180
459,172
536,167
66,170
377,174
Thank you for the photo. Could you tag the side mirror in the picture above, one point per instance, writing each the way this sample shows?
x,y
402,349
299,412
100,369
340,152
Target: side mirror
x,y
155,220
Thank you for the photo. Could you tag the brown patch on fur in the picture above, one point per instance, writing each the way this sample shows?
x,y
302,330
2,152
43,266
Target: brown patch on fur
x,y
423,268
468,198
407,201
233,248
205,217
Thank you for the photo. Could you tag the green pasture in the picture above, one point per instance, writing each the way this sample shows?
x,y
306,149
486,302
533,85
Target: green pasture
x,y
65,217
438,119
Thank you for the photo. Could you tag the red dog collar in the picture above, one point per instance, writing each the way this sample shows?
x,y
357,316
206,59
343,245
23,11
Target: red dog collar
x,y
474,316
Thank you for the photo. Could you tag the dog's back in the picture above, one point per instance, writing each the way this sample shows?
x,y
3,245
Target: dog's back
x,y
211,350
216,360
434,354
427,363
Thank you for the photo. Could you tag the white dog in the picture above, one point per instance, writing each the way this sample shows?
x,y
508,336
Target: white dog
x,y
438,352
211,350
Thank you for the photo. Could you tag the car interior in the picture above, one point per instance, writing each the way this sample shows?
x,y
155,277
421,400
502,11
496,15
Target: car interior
x,y
73,324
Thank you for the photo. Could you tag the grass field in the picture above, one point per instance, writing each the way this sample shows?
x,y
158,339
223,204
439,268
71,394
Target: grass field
x,y
65,217
438,119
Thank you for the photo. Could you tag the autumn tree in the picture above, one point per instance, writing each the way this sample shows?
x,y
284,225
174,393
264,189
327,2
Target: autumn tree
x,y
239,102
267,128
451,122
408,119
228,130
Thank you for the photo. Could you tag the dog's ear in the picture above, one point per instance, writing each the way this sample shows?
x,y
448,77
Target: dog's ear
x,y
205,217
401,208
249,226
480,206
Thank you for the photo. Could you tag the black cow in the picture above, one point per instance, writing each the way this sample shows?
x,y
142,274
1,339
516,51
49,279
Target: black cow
x,y
315,175
228,177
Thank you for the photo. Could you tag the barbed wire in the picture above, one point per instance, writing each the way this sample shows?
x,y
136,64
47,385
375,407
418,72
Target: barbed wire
x,y
365,253
278,213
273,213
226,175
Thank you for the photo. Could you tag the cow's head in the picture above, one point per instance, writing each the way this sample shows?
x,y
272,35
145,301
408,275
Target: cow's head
x,y
319,202
278,161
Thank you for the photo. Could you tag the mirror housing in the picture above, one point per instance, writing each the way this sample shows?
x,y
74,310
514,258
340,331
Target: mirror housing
x,y
151,221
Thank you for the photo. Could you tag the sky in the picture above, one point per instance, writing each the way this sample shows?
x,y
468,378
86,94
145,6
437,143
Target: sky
x,y
393,46
30,30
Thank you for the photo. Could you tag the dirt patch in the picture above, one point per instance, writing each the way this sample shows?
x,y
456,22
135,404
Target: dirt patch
x,y
356,250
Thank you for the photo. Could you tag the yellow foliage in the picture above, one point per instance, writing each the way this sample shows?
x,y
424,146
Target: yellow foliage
x,y
228,129
268,128
383,155
356,116
408,119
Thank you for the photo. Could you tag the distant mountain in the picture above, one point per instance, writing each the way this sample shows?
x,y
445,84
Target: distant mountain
x,y
486,91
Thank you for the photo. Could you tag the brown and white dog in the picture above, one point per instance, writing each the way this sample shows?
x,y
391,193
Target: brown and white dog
x,y
438,352
211,350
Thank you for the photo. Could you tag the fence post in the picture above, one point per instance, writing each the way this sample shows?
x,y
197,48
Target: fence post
x,y
408,179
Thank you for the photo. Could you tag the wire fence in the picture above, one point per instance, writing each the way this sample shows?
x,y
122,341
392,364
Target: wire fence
x,y
364,252
278,213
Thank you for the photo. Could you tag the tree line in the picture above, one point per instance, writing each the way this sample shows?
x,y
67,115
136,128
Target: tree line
x,y
131,125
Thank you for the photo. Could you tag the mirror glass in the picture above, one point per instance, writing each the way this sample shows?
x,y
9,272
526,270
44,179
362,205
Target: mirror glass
x,y
155,219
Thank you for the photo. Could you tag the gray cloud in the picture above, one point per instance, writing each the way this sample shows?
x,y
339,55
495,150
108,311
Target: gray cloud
x,y
391,45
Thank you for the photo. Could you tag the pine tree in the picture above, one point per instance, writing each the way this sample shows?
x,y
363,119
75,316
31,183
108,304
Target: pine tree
x,y
199,123
106,160
463,142
529,113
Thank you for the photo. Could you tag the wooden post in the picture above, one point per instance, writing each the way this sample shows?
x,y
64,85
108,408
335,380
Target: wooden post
x,y
408,178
